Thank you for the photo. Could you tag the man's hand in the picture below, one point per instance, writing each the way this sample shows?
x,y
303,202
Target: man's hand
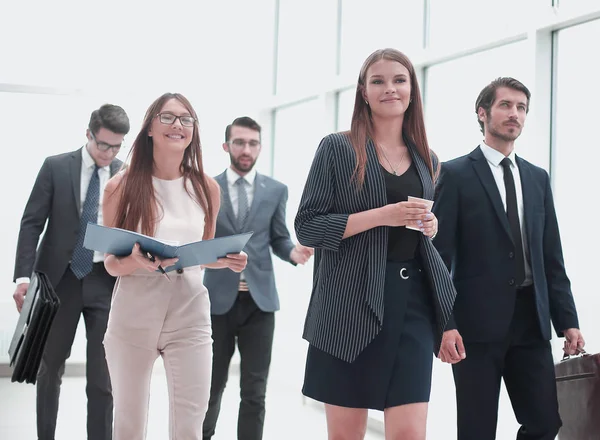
x,y
574,341
19,295
452,349
301,254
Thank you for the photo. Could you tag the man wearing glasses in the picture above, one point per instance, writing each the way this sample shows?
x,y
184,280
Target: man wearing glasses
x,y
243,305
67,194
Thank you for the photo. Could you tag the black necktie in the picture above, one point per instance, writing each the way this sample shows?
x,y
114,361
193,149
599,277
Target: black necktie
x,y
82,260
513,219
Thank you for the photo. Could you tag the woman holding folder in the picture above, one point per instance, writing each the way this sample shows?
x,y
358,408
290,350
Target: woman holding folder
x,y
162,193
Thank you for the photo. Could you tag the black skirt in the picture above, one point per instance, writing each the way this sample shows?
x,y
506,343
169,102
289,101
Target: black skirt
x,y
395,368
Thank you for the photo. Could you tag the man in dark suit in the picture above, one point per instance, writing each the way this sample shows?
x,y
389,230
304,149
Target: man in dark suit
x,y
65,197
243,305
498,235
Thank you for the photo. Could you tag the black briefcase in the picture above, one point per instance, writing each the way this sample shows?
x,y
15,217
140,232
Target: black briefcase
x,y
578,386
31,333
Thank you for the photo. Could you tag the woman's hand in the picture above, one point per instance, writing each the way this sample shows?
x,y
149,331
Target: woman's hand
x,y
143,260
406,214
429,226
235,262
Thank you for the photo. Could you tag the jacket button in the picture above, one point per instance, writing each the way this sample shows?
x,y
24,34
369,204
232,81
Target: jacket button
x,y
511,255
511,282
179,270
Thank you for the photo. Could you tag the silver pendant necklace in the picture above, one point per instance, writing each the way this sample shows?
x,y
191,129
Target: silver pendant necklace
x,y
389,163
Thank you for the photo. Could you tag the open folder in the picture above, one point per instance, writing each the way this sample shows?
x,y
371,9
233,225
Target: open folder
x,y
120,242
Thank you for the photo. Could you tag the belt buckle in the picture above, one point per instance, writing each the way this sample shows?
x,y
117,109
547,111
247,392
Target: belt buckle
x,y
403,274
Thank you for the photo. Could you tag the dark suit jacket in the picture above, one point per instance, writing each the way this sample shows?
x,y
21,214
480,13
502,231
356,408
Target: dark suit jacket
x,y
475,242
267,220
346,307
56,200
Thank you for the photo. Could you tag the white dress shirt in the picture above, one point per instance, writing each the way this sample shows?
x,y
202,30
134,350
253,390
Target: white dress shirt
x,y
494,157
87,168
232,177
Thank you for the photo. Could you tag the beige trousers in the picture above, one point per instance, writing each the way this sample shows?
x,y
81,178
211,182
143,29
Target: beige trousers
x,y
151,316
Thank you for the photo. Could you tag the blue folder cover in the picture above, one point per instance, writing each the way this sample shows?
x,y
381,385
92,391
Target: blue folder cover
x,y
120,242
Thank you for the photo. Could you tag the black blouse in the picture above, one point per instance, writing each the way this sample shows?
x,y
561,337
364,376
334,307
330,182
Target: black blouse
x,y
402,242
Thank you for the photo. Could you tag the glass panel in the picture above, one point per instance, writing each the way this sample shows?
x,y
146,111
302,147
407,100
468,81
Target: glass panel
x,y
452,89
306,46
298,131
297,147
376,24
575,168
468,22
345,108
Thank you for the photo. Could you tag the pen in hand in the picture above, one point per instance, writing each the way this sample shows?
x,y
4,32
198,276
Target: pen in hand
x,y
160,268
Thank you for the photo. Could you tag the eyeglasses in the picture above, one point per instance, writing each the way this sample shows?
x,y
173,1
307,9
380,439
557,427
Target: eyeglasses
x,y
239,144
103,146
169,119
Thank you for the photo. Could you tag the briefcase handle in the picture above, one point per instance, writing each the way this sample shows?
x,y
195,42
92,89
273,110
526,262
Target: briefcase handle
x,y
580,352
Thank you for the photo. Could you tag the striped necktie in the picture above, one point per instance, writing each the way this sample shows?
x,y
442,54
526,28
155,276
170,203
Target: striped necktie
x,y
243,208
82,260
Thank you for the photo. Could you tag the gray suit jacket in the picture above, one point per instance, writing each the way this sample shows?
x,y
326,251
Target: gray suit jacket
x,y
55,199
267,220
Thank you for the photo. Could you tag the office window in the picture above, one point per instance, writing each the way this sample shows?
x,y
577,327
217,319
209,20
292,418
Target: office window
x,y
575,167
458,23
345,108
376,24
452,89
306,48
298,131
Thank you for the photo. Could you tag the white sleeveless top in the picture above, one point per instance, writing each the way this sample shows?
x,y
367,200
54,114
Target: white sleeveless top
x,y
180,218
145,304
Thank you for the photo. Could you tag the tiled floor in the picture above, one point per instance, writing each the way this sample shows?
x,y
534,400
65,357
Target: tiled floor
x,y
287,415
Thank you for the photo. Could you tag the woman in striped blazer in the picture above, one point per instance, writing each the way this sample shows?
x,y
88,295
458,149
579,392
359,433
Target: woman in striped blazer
x,y
381,293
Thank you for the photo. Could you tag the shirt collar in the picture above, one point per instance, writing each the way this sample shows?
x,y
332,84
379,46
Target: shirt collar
x,y
494,156
88,160
232,176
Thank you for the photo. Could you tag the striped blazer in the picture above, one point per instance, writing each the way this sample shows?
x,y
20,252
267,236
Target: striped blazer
x,y
346,310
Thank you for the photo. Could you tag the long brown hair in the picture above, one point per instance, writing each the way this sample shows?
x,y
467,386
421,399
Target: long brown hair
x,y
138,204
361,129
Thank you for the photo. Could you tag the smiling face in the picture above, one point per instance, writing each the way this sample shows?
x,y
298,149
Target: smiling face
x,y
170,129
506,117
387,88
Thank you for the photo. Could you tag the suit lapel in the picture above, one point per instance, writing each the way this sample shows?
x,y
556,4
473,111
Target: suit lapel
x,y
374,180
527,185
482,169
75,170
259,195
422,170
114,167
226,199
